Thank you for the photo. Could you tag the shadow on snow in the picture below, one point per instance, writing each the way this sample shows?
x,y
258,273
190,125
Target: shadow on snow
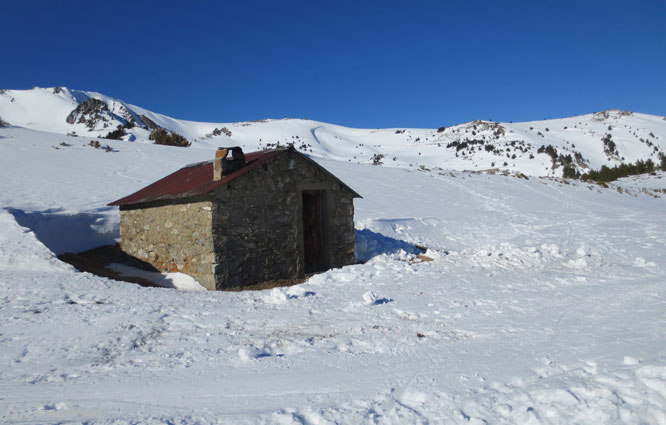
x,y
61,232
370,244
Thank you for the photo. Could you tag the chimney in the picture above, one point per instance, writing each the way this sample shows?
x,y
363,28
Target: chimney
x,y
220,154
223,165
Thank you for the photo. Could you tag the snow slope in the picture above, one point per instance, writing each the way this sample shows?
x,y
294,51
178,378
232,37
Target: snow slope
x,y
544,303
478,145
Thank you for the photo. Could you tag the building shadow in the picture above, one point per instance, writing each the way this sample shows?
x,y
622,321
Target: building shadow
x,y
370,244
100,261
63,232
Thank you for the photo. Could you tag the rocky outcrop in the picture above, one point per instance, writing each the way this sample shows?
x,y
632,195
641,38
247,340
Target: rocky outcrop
x,y
148,123
90,112
98,115
219,132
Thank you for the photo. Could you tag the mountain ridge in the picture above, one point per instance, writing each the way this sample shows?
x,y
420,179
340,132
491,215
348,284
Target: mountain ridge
x,y
556,147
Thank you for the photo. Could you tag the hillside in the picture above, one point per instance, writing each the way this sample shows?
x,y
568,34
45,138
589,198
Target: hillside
x,y
580,143
543,302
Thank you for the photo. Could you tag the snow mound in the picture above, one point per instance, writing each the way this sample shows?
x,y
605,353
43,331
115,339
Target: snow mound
x,y
178,281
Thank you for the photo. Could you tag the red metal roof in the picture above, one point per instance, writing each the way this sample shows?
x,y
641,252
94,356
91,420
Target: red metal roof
x,y
193,180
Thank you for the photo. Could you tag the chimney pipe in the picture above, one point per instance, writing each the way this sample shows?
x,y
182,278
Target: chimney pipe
x,y
223,165
220,154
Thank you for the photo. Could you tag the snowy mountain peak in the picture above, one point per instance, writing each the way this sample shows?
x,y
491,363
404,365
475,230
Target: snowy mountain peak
x,y
556,147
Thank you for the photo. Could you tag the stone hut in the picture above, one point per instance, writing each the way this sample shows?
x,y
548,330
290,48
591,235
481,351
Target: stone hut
x,y
242,219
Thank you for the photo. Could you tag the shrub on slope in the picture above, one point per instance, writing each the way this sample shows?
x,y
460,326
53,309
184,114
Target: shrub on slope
x,y
116,134
608,174
162,137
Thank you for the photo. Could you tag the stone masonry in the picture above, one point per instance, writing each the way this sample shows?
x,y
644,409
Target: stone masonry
x,y
257,222
173,238
246,231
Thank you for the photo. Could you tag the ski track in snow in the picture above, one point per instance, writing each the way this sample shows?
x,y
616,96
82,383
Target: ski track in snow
x,y
544,304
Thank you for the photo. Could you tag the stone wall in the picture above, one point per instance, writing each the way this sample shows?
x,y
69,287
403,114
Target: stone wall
x,y
258,223
173,238
342,231
254,222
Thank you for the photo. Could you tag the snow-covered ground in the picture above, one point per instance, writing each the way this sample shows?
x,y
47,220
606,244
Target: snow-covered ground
x,y
544,303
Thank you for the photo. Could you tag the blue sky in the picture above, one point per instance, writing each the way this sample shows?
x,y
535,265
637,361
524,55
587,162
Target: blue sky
x,y
361,64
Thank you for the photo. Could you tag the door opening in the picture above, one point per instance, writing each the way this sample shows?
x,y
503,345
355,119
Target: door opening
x,y
314,231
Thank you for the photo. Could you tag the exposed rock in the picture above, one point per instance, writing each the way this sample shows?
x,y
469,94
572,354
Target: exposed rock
x,y
219,132
616,113
89,112
126,116
377,159
479,125
148,122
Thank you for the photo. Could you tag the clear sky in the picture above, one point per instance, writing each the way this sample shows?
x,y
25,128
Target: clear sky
x,y
355,63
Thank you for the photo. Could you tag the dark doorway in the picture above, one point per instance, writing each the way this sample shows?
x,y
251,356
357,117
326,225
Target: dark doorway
x,y
314,231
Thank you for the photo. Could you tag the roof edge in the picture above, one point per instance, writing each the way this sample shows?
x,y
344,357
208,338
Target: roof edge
x,y
207,187
328,173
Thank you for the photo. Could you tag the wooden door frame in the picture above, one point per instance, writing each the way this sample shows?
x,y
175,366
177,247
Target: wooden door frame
x,y
327,213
